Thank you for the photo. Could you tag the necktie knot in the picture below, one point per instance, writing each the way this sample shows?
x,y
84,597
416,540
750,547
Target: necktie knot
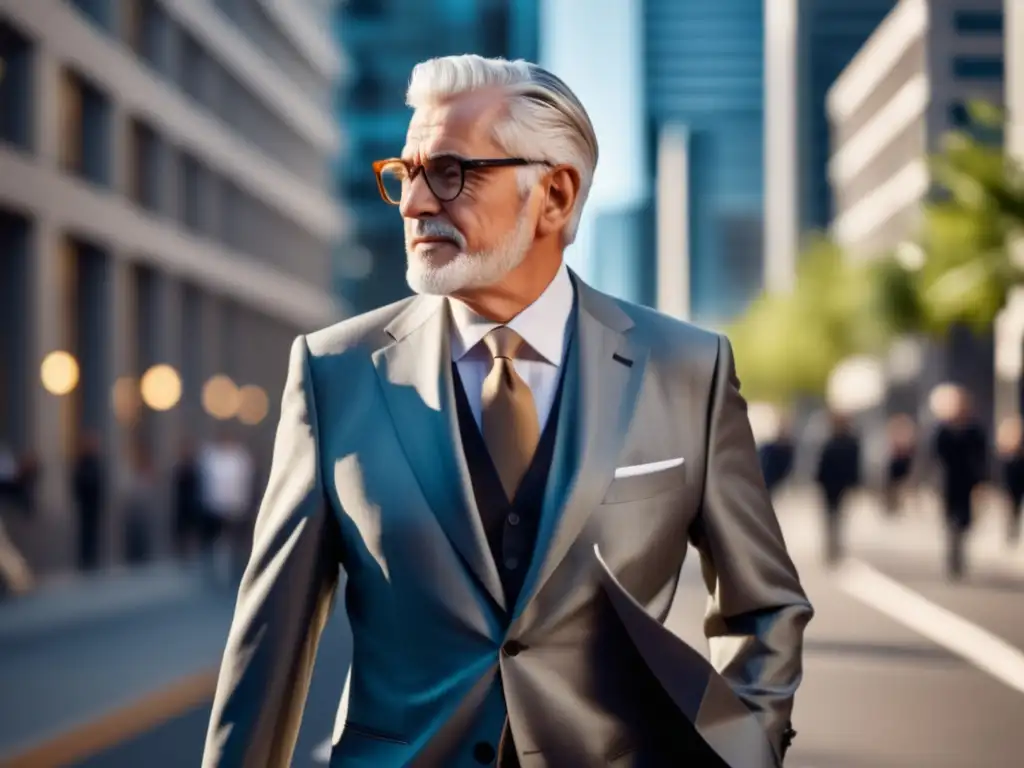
x,y
503,342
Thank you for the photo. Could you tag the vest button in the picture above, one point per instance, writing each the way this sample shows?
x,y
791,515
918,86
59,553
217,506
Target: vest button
x,y
513,648
484,753
512,563
513,519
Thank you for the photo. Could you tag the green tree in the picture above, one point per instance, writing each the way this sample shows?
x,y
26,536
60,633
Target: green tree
x,y
970,224
788,343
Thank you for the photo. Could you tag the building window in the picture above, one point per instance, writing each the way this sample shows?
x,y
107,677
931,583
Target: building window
x,y
85,129
146,26
365,8
978,22
15,87
367,91
494,30
190,73
188,204
144,165
99,12
978,67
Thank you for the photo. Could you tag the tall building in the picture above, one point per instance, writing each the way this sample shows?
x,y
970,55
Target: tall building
x,y
808,43
385,40
165,198
1010,325
888,110
704,72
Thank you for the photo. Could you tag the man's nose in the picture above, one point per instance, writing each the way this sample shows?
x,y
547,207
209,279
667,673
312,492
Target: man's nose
x,y
418,201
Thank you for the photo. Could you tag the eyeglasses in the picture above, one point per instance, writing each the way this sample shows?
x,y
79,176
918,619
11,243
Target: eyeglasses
x,y
445,174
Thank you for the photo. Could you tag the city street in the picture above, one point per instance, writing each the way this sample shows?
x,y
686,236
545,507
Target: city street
x,y
902,668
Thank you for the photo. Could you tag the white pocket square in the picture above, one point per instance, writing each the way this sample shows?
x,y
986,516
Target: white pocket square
x,y
638,470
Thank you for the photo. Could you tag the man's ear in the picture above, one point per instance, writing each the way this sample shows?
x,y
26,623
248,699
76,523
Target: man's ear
x,y
561,190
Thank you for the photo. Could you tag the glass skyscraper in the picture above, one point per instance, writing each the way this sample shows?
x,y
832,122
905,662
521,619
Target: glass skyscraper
x,y
705,70
831,32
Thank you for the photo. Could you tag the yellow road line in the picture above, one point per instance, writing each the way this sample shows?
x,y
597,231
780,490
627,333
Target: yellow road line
x,y
118,726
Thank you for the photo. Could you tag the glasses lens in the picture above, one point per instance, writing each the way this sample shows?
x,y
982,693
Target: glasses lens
x,y
444,175
393,177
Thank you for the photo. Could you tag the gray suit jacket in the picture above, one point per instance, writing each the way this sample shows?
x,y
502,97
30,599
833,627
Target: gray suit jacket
x,y
369,475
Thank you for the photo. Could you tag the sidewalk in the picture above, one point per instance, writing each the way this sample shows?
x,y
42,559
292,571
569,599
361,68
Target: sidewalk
x,y
71,599
80,649
916,532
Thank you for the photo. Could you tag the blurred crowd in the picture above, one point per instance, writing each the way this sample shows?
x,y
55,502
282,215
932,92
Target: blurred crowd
x,y
955,458
214,493
215,490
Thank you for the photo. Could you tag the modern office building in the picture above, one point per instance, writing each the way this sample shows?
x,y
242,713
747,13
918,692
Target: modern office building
x,y
907,87
704,75
808,43
165,198
889,109
384,39
1010,325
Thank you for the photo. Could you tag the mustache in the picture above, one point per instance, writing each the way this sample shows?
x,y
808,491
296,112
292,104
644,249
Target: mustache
x,y
436,228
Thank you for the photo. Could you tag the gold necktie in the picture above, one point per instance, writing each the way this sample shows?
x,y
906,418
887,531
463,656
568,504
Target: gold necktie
x,y
509,417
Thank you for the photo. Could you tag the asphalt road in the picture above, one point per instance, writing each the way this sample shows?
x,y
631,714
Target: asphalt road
x,y
902,668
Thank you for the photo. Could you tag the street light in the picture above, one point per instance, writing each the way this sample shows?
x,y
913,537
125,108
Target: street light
x,y
59,373
253,405
161,387
221,397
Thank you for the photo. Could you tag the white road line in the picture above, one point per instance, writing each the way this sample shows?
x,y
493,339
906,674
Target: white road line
x,y
975,645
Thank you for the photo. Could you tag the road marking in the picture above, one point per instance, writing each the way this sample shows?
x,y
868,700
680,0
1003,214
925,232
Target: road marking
x,y
975,645
115,727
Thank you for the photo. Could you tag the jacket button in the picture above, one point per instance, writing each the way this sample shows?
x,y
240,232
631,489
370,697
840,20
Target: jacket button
x,y
513,647
484,753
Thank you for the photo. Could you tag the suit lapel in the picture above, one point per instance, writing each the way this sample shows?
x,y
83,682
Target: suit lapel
x,y
416,378
604,371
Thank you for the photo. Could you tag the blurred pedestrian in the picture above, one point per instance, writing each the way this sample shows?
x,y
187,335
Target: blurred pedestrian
x,y
902,443
838,473
1010,444
961,447
15,574
226,481
776,456
88,490
140,504
188,508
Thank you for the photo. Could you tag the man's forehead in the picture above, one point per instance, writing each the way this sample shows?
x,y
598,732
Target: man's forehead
x,y
459,125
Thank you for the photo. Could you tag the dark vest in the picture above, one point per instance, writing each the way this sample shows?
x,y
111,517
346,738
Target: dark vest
x,y
511,527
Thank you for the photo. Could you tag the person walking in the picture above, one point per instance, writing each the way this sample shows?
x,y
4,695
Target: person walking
x,y
510,467
838,473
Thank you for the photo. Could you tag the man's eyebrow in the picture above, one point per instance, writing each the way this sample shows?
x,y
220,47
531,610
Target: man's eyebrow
x,y
446,153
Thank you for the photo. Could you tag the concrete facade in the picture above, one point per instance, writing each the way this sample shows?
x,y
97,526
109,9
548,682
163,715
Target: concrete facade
x,y
165,197
888,111
892,104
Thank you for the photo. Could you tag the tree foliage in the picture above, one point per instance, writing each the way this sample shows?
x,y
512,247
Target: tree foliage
x,y
958,270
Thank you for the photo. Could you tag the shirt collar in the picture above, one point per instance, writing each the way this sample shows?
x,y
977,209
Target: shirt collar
x,y
541,325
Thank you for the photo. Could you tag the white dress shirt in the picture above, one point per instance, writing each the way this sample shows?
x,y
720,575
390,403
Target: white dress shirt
x,y
541,325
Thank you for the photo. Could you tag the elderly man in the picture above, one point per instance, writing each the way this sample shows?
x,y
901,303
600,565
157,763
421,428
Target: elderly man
x,y
510,467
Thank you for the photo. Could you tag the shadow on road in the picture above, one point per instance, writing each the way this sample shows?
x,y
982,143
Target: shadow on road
x,y
897,652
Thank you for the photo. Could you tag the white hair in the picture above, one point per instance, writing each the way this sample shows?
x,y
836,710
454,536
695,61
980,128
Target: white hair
x,y
539,105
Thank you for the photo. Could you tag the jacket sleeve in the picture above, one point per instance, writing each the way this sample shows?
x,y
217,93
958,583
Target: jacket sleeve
x,y
757,610
285,596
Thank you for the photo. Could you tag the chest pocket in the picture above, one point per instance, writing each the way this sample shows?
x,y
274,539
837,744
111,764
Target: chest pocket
x,y
646,481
